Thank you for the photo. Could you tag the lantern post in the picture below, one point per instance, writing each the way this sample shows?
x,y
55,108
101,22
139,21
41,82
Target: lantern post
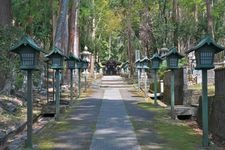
x,y
204,54
29,60
172,59
138,66
155,63
144,63
71,64
56,57
85,66
79,67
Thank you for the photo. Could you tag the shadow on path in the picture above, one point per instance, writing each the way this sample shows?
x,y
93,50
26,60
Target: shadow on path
x,y
142,122
82,122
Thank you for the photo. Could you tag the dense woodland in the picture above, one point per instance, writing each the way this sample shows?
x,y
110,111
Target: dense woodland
x,y
109,28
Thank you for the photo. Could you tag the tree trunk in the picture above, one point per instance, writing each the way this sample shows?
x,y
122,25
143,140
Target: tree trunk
x,y
5,20
110,44
72,16
196,13
130,49
5,12
209,18
174,19
54,21
61,36
77,37
165,19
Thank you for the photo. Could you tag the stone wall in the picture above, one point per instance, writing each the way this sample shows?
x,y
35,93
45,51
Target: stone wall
x,y
220,82
191,97
216,106
178,87
216,116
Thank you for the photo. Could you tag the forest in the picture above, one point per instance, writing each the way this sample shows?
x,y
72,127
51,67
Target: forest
x,y
109,28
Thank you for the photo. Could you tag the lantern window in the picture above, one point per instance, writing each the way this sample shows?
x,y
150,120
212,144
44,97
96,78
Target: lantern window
x,y
71,64
155,64
27,59
56,61
206,57
173,62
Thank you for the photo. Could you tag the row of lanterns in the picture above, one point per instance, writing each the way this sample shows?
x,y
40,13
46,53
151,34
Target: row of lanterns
x,y
29,54
204,54
172,59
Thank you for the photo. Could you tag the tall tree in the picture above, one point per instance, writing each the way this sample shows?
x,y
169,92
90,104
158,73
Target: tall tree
x,y
73,28
61,35
146,33
5,12
209,18
175,22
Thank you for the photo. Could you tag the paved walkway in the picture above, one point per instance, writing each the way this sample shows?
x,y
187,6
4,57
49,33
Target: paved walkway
x,y
103,121
113,130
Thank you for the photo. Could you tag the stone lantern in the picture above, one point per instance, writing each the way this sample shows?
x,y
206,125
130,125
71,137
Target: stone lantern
x,y
71,64
29,54
204,55
56,58
172,59
139,67
145,62
155,63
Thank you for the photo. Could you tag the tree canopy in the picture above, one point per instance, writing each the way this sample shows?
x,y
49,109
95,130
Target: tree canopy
x,y
114,28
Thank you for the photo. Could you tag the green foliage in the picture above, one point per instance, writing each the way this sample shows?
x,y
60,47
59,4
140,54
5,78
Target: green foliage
x,y
8,36
34,18
163,66
183,62
19,80
101,19
162,69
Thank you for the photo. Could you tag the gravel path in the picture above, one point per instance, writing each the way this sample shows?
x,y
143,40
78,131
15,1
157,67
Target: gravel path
x,y
109,120
142,122
83,119
114,130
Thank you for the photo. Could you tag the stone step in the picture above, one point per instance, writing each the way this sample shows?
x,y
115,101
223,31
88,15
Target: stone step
x,y
152,95
113,83
182,110
116,86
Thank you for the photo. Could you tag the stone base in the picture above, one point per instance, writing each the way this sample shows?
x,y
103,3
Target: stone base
x,y
50,108
181,110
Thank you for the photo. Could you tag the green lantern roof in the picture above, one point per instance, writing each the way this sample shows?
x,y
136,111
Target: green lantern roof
x,y
72,57
156,56
124,64
145,59
137,61
26,40
55,51
208,40
173,51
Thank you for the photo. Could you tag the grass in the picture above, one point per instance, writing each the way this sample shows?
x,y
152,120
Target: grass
x,y
177,134
45,139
